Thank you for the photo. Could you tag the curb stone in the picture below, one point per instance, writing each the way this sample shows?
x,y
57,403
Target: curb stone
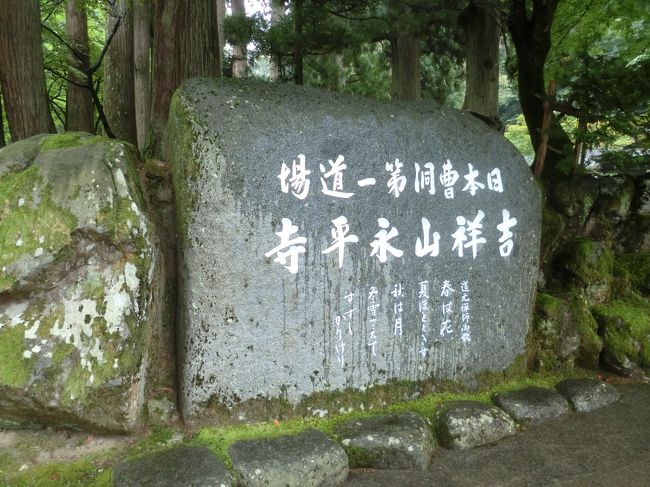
x,y
468,424
184,466
399,441
587,395
308,459
532,404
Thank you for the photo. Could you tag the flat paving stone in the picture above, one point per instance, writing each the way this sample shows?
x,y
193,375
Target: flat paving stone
x,y
181,467
389,441
467,424
586,395
308,459
532,404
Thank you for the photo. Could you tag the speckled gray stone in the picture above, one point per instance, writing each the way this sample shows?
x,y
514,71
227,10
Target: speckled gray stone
x,y
588,394
532,404
399,441
304,460
250,328
180,467
467,424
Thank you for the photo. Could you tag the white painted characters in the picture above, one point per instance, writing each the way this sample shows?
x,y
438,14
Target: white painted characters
x,y
380,245
289,248
335,172
295,178
340,237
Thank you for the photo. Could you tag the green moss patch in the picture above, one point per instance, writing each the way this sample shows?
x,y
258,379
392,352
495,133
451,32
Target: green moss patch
x,y
587,262
68,140
625,328
15,370
638,267
29,220
559,321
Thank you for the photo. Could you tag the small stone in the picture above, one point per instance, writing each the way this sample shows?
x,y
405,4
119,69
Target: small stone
x,y
21,202
19,242
304,460
468,424
181,467
587,394
400,441
38,252
532,404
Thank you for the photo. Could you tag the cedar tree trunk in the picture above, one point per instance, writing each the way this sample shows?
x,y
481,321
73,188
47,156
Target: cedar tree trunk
x,y
119,88
239,52
142,17
22,77
79,107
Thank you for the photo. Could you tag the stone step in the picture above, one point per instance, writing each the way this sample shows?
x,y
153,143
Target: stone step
x,y
532,404
389,441
307,459
586,395
467,424
184,466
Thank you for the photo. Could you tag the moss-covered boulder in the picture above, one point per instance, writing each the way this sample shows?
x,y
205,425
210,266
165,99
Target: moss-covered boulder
x,y
79,265
587,265
564,333
625,328
637,266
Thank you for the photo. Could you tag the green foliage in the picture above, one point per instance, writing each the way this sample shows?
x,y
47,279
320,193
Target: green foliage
x,y
517,133
601,60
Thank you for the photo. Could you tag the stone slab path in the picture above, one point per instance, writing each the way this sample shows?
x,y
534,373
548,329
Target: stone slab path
x,y
606,447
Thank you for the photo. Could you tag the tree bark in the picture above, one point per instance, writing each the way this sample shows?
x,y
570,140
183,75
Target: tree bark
x,y
405,66
22,77
3,142
221,17
239,51
186,45
405,53
277,14
531,35
481,26
298,71
119,88
79,108
142,18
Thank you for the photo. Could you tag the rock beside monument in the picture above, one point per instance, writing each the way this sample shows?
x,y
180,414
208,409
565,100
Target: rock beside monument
x,y
80,270
180,467
532,404
586,395
399,441
308,459
467,424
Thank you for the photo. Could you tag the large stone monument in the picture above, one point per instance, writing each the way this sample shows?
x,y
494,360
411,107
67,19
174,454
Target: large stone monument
x,y
331,242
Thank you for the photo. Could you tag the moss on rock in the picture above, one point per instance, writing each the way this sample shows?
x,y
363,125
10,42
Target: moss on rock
x,y
15,369
638,268
564,333
589,265
625,327
68,140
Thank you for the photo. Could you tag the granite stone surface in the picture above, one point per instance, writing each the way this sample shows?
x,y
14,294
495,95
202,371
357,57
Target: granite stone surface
x,y
532,404
389,441
331,241
586,395
180,467
468,424
308,459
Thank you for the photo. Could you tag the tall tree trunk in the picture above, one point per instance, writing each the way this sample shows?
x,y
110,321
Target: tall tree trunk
x,y
405,66
185,45
298,71
481,26
278,13
119,88
221,17
79,108
22,77
142,17
239,51
531,35
3,142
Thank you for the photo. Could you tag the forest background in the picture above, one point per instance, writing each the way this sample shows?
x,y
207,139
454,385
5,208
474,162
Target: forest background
x,y
111,66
